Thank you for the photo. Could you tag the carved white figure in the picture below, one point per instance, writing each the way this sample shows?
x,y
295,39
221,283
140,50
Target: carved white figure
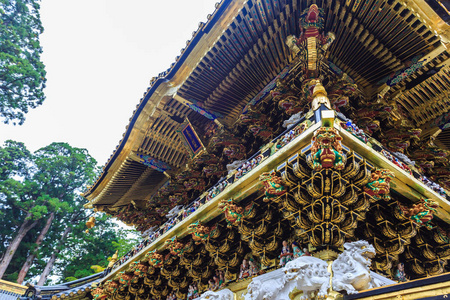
x,y
269,286
234,165
293,120
351,271
224,294
174,211
310,275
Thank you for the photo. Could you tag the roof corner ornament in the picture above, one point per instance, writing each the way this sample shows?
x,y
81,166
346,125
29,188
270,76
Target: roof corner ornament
x,y
312,44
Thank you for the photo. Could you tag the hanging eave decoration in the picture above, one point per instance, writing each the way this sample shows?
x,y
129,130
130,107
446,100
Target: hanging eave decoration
x,y
190,139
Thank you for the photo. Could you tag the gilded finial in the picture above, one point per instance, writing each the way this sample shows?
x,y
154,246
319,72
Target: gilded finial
x,y
319,89
320,96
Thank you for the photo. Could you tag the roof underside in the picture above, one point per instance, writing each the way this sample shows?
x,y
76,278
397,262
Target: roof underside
x,y
374,39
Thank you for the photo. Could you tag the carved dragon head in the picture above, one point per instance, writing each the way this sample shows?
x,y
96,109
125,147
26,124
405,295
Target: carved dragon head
x,y
312,17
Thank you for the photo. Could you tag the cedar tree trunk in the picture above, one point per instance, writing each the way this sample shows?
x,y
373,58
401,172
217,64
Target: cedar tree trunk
x,y
29,262
12,247
51,261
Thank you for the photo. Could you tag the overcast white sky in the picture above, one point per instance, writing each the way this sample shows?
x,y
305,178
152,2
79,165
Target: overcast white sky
x,y
100,56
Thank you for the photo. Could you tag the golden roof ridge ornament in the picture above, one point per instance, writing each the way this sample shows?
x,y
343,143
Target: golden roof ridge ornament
x,y
320,97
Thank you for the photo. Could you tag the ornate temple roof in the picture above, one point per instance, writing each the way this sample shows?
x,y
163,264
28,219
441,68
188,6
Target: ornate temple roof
x,y
321,123
394,48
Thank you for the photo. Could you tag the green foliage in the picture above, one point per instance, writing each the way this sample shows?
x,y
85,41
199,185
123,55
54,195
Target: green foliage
x,y
22,74
70,279
126,242
32,186
13,160
81,250
12,277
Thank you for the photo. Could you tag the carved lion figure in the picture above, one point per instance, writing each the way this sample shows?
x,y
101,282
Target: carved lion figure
x,y
125,279
111,287
99,294
351,271
421,213
155,259
269,289
379,186
326,150
224,294
176,248
306,273
140,269
273,185
199,232
234,151
233,212
310,275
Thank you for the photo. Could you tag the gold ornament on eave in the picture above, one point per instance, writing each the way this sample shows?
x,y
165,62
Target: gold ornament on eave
x,y
90,223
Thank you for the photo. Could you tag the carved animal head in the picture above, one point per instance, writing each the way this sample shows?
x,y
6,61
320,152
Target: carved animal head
x,y
430,204
266,176
361,251
312,17
141,269
327,137
199,232
125,277
305,266
251,117
229,205
379,184
155,259
254,289
176,198
98,293
111,286
234,151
